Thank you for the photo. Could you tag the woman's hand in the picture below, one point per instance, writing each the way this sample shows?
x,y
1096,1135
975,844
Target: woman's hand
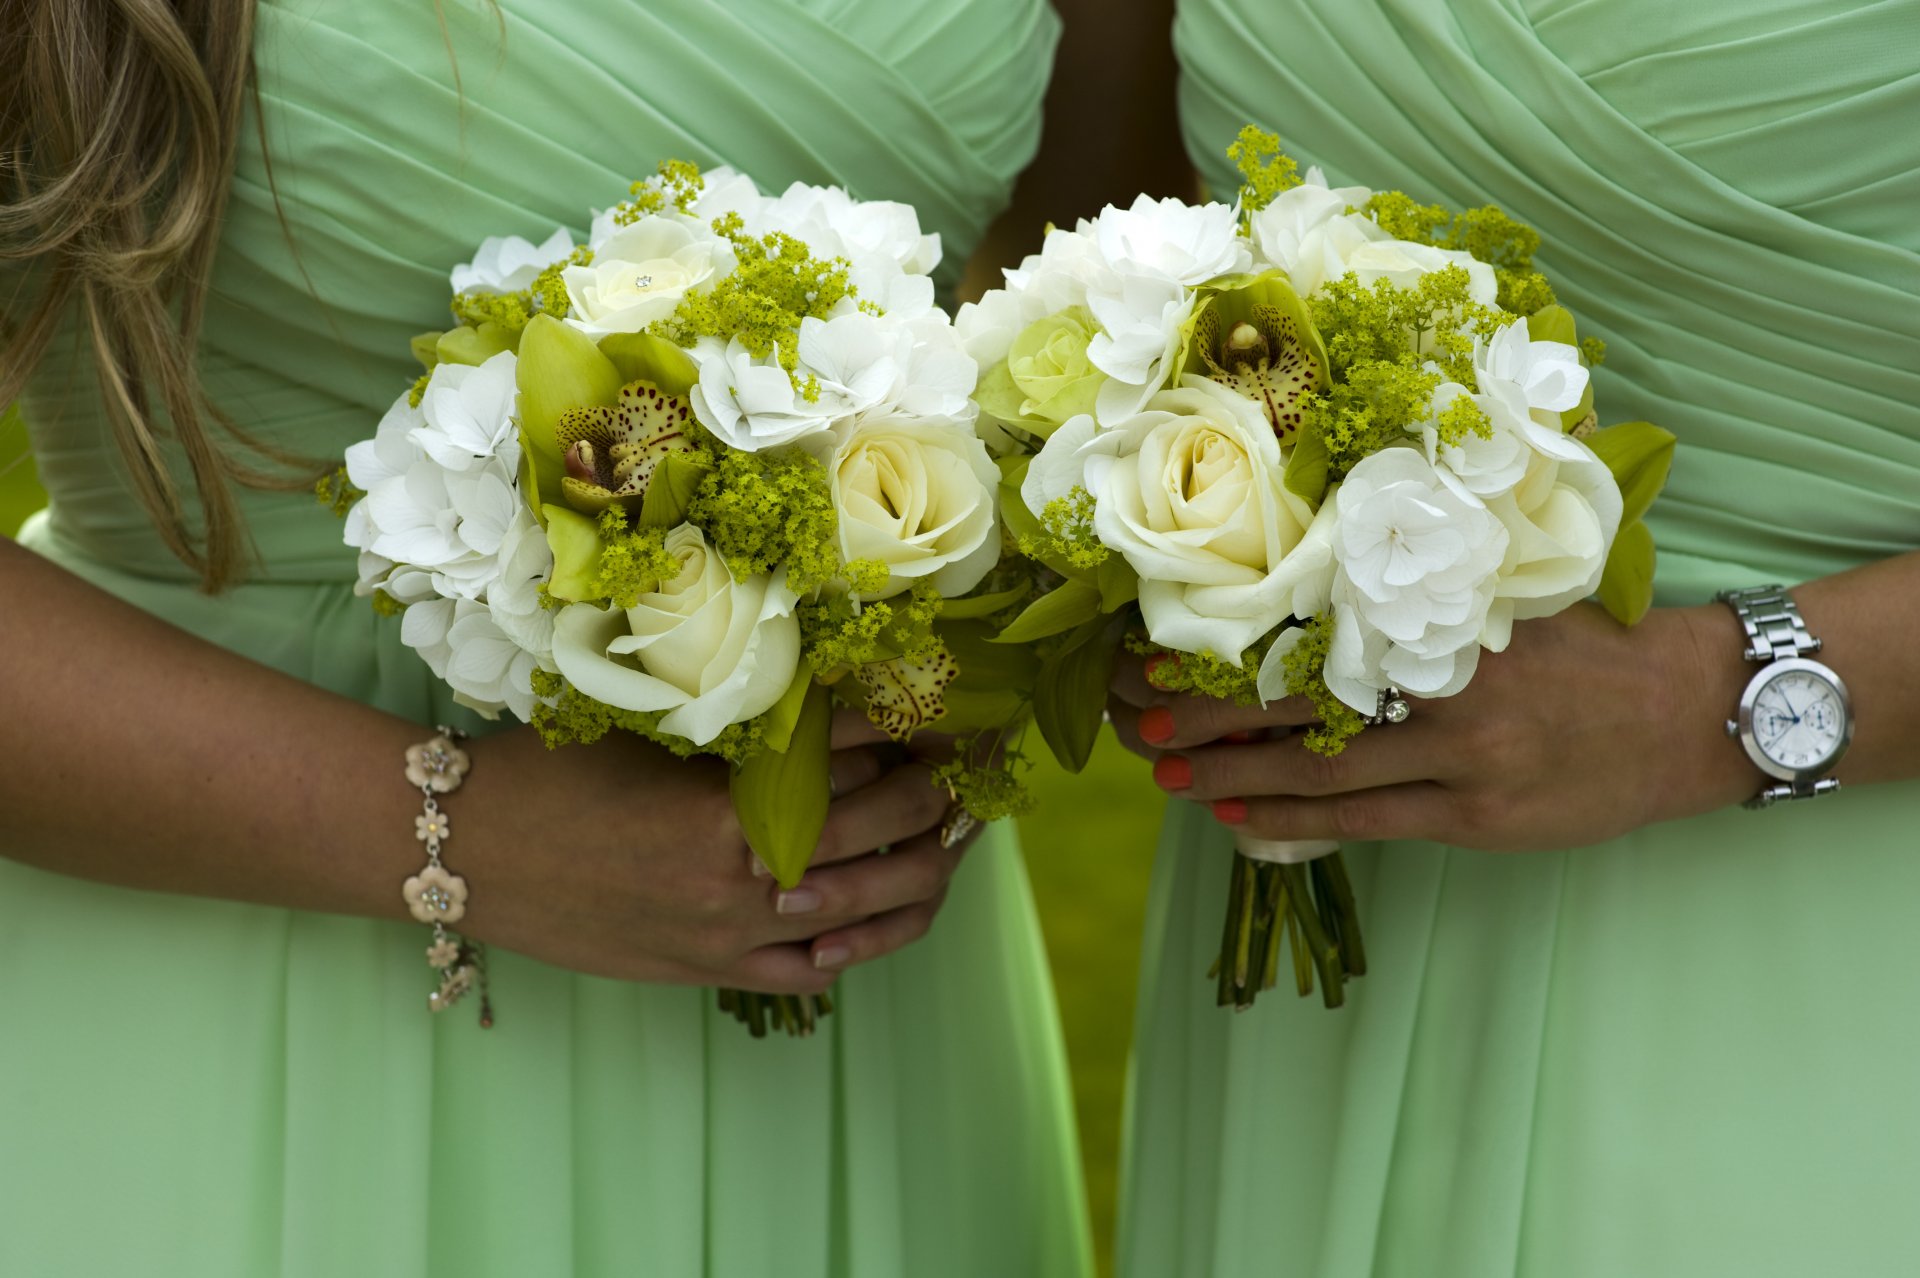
x,y
632,865
1581,730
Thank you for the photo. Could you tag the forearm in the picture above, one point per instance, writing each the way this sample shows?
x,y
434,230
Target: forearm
x,y
1867,620
134,753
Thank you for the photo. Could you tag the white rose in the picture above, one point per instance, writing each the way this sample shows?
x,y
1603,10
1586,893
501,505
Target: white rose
x,y
1418,563
640,274
1187,243
469,415
509,264
709,650
1189,491
917,495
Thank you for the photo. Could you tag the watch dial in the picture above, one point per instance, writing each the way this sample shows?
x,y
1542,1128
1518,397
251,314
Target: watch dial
x,y
1797,720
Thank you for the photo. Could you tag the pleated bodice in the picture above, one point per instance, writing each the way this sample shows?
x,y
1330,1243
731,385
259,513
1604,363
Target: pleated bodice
x,y
1721,198
394,150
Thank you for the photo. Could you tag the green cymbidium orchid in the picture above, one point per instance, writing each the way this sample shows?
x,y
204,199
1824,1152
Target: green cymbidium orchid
x,y
559,370
1252,333
611,453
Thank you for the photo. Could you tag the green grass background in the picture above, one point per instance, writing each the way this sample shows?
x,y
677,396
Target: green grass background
x,y
1088,847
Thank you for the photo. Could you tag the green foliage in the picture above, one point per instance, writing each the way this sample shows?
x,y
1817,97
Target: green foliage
x,y
993,789
336,492
633,561
1070,691
1640,455
566,717
762,510
1305,666
1626,583
1204,674
777,283
1072,603
1265,170
512,312
1066,532
1461,420
1487,233
781,796
838,631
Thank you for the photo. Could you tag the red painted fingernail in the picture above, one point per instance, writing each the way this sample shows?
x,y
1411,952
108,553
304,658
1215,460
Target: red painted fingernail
x,y
1156,725
1248,737
1230,811
1172,772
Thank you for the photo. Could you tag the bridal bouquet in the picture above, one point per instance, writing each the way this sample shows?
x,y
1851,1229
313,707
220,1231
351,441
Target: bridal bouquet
x,y
1322,442
698,479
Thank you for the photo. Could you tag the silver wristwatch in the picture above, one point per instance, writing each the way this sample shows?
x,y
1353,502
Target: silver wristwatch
x,y
1795,719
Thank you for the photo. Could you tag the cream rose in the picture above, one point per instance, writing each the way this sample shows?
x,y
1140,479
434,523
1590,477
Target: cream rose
x,y
1190,492
709,650
918,496
640,274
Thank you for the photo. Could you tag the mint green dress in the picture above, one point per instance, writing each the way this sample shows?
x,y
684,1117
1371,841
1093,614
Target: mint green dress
x,y
1693,1052
199,1089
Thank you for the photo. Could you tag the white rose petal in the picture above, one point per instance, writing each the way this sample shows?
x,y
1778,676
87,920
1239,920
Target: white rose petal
x,y
918,496
709,650
640,274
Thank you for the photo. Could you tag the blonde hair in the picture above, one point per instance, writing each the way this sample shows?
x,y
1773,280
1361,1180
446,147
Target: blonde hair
x,y
118,128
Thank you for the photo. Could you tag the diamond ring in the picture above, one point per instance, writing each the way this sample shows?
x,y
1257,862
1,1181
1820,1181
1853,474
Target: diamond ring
x,y
1393,708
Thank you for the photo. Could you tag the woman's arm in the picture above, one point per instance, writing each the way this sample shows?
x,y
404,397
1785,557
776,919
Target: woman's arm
x,y
134,753
1581,730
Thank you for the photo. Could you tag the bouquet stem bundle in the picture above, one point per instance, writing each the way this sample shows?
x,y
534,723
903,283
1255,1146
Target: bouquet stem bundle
x,y
1306,909
796,1015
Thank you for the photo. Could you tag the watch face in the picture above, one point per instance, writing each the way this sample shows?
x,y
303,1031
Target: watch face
x,y
1799,720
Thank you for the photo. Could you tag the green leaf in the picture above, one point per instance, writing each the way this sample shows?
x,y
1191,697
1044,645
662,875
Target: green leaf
x,y
1553,324
995,682
670,491
778,724
575,542
1639,454
982,605
559,368
642,357
780,797
1070,692
1307,465
1626,584
1073,603
466,345
426,349
1119,583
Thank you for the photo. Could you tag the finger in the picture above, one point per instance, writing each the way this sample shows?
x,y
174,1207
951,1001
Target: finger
x,y
1419,810
846,892
851,727
1189,721
864,942
1126,726
776,969
901,804
1130,682
860,766
1384,756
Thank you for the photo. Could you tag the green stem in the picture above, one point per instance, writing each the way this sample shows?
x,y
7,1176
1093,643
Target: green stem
x,y
1243,941
1326,956
1353,950
1229,937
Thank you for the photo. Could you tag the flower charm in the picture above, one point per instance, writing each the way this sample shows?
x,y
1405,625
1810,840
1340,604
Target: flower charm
x,y
436,896
454,983
430,828
443,953
440,765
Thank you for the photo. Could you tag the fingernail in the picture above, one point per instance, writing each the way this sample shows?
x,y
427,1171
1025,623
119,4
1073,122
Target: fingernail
x,y
1154,662
831,956
757,866
1156,725
1248,737
797,901
1172,772
1230,811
